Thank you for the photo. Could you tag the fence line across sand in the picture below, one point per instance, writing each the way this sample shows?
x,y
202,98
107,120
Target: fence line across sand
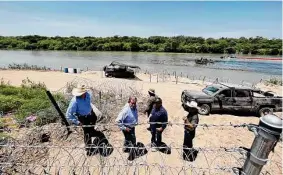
x,y
154,76
175,77
49,150
62,153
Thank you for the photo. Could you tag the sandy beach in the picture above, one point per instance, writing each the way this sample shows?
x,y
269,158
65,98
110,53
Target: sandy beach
x,y
170,92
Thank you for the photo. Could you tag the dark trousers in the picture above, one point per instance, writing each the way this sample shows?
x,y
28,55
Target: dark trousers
x,y
130,137
188,139
156,136
89,131
189,154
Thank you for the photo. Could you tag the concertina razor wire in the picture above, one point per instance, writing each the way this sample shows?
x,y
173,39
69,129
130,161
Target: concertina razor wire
x,y
61,154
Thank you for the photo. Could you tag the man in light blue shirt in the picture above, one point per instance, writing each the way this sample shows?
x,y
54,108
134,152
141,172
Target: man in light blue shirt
x,y
80,112
127,120
79,106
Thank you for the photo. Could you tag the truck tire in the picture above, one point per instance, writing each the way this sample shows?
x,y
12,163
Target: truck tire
x,y
204,109
265,110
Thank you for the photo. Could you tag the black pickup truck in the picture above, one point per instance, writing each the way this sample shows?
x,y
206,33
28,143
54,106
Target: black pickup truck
x,y
229,97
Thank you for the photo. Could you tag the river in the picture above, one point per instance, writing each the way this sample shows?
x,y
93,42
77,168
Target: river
x,y
234,70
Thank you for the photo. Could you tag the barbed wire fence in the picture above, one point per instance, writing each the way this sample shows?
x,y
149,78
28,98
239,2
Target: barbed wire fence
x,y
48,149
153,75
182,78
45,149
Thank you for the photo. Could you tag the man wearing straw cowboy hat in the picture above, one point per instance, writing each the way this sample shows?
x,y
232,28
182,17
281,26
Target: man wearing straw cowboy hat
x,y
150,102
80,112
190,124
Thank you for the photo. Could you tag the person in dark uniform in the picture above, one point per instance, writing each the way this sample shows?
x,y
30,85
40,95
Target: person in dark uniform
x,y
190,121
150,103
158,114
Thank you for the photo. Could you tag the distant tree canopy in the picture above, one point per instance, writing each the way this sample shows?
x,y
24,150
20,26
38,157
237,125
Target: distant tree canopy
x,y
181,44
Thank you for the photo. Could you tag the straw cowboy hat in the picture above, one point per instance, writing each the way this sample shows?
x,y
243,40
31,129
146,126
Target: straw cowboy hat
x,y
193,104
79,90
151,91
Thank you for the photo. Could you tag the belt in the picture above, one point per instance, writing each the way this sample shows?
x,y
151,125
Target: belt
x,y
83,115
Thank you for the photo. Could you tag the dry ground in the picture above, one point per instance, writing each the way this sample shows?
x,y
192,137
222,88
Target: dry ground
x,y
170,92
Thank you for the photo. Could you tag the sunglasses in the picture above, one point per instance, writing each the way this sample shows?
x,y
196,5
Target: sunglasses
x,y
133,103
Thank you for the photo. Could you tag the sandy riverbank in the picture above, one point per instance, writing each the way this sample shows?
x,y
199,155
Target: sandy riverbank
x,y
170,92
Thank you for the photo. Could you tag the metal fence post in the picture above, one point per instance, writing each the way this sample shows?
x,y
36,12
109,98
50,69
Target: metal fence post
x,y
100,96
267,133
176,79
157,78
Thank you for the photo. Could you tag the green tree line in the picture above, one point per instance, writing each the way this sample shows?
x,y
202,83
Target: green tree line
x,y
182,44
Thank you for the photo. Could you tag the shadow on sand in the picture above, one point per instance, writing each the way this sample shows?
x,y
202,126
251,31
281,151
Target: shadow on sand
x,y
134,78
236,113
100,145
164,148
137,152
189,154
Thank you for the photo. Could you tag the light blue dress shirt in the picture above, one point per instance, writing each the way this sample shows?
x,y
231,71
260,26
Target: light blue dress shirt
x,y
79,106
128,117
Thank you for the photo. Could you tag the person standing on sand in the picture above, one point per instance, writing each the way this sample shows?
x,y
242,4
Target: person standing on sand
x,y
127,120
80,113
158,114
150,103
191,121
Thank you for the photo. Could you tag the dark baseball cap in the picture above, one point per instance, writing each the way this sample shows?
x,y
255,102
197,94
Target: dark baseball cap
x,y
158,100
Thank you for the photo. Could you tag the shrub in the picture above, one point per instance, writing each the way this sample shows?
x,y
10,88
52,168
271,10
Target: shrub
x,y
3,83
31,84
30,99
50,115
27,67
31,107
274,81
10,103
9,90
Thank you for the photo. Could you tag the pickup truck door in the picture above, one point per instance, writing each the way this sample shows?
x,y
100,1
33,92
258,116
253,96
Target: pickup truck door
x,y
242,99
223,100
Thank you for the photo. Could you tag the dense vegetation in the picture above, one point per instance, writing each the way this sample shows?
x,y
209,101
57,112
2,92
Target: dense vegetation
x,y
29,99
274,81
27,67
185,44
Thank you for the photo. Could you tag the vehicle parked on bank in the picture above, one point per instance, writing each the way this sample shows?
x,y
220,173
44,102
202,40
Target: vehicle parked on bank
x,y
229,97
120,70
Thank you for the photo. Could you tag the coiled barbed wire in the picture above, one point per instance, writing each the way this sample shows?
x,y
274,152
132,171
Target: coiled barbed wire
x,y
203,125
27,157
28,154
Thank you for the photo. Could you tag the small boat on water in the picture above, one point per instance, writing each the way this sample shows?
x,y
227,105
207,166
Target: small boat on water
x,y
228,57
204,61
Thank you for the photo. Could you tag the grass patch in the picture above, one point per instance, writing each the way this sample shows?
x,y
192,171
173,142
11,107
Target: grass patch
x,y
27,67
29,99
274,81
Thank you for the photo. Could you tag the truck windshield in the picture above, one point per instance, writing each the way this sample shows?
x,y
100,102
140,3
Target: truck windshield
x,y
210,90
